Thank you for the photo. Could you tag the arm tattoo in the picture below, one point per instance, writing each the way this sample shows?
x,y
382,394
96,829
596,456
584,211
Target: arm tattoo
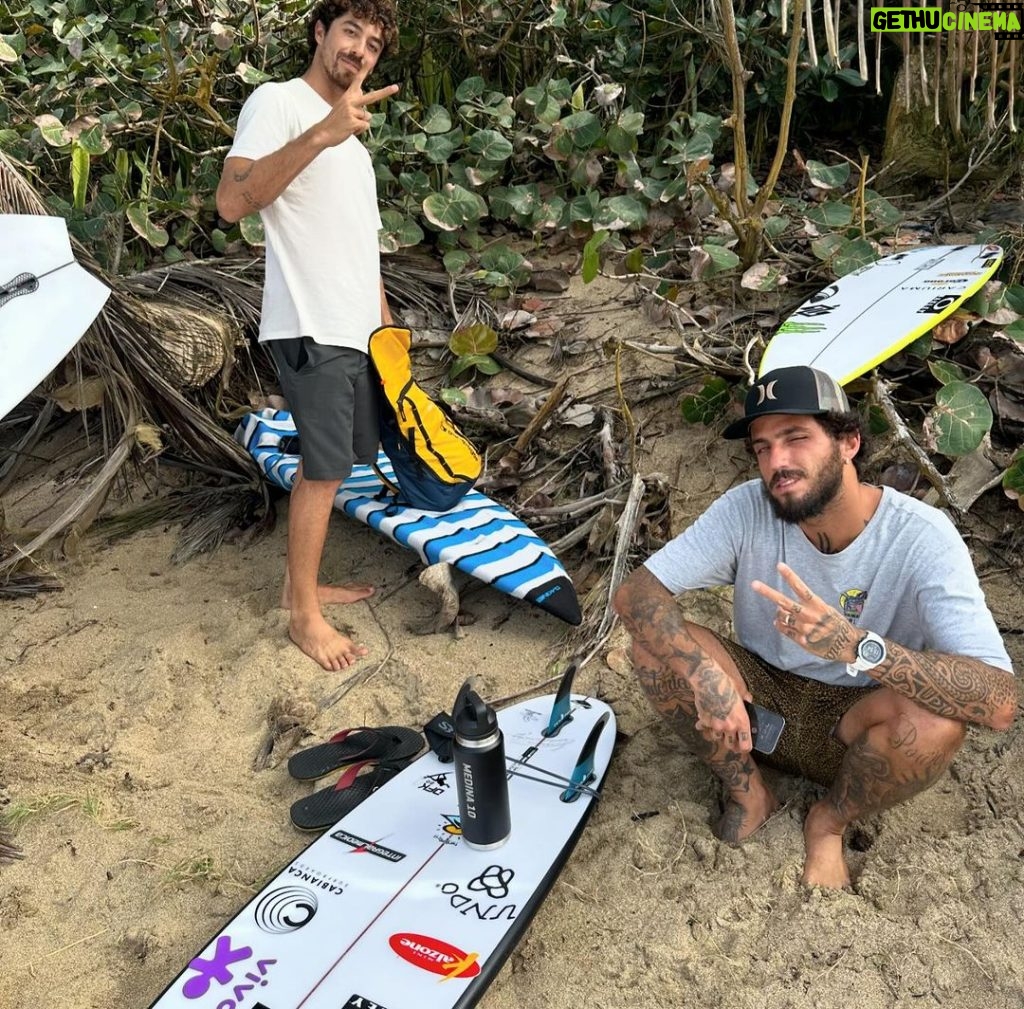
x,y
247,196
652,617
243,175
954,686
832,638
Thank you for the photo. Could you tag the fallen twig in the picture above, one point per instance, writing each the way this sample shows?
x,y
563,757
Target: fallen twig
x,y
880,391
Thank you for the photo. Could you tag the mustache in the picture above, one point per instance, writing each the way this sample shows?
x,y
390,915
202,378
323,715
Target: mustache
x,y
785,474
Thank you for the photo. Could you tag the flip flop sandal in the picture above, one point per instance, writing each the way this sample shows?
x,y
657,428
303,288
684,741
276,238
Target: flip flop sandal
x,y
346,747
325,808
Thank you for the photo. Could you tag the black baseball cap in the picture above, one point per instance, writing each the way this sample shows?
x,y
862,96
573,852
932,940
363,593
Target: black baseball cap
x,y
798,389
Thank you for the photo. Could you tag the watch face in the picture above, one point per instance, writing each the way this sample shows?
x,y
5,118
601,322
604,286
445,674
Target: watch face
x,y
871,651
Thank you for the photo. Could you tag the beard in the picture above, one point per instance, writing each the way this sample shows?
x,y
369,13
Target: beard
x,y
341,73
819,496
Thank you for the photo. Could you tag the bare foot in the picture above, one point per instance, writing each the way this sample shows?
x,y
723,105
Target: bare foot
x,y
745,815
352,592
823,842
323,643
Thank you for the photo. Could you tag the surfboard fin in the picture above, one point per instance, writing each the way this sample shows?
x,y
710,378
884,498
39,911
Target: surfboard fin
x,y
560,709
583,773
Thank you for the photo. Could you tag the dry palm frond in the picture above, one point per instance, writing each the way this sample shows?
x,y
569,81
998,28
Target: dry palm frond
x,y
143,413
16,194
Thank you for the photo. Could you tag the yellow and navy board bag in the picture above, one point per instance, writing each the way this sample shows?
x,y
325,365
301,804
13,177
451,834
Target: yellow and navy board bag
x,y
434,463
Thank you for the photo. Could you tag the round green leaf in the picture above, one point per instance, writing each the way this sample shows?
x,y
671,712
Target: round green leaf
x,y
621,212
252,230
960,419
708,404
830,215
490,145
455,261
591,255
453,396
584,128
828,176
8,54
477,339
436,120
52,130
483,363
250,74
138,218
721,257
470,88
827,246
619,141
439,147
946,372
454,207
852,255
1015,330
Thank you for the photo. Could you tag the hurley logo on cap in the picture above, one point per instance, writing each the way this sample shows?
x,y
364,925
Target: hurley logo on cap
x,y
798,389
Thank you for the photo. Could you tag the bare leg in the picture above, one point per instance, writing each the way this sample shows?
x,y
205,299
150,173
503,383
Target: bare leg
x,y
749,801
308,515
895,750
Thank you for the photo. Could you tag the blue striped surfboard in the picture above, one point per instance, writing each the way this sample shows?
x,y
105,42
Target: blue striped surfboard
x,y
478,536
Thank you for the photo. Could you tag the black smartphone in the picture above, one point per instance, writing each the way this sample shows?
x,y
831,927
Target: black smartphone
x,y
765,727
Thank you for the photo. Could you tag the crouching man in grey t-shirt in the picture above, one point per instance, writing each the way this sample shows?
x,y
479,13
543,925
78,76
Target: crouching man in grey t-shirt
x,y
858,617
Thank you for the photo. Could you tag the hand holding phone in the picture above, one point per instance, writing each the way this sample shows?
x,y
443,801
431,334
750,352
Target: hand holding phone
x,y
765,727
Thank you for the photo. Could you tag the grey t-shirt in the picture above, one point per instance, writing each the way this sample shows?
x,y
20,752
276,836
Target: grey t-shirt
x,y
908,577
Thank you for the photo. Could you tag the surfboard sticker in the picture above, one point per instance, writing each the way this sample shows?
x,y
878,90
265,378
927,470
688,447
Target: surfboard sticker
x,y
869,315
478,536
389,909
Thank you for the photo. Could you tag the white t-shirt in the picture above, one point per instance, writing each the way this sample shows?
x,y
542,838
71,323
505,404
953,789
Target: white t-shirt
x,y
908,576
323,262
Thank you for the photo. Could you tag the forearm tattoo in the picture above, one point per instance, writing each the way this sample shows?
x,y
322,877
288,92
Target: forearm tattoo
x,y
954,686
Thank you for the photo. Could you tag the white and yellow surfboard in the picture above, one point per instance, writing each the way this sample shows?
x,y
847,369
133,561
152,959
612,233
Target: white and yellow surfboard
x,y
869,315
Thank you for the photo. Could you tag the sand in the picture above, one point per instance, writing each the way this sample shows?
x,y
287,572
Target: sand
x,y
136,700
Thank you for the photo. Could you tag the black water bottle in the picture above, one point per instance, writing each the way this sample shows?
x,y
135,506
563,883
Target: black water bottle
x,y
480,775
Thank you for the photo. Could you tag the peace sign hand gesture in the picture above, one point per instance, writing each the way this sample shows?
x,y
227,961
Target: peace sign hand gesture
x,y
350,116
809,621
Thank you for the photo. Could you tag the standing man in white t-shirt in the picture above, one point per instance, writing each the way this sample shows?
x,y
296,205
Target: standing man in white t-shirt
x,y
297,160
858,617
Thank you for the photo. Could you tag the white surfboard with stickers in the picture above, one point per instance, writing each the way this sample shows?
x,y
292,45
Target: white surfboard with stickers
x,y
869,315
389,909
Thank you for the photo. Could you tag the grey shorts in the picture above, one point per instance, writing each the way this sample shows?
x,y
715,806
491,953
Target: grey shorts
x,y
808,745
332,394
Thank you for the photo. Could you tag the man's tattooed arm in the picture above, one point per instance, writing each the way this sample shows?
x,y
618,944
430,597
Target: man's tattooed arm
x,y
240,177
954,686
652,617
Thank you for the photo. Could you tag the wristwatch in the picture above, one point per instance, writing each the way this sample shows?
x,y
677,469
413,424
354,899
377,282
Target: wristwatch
x,y
871,652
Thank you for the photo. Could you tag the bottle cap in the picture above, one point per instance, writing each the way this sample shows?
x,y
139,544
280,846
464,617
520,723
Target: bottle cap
x,y
474,718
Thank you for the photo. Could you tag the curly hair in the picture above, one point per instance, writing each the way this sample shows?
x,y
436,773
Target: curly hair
x,y
836,424
381,13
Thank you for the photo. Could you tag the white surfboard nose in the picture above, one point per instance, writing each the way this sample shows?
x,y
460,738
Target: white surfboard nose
x,y
47,302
